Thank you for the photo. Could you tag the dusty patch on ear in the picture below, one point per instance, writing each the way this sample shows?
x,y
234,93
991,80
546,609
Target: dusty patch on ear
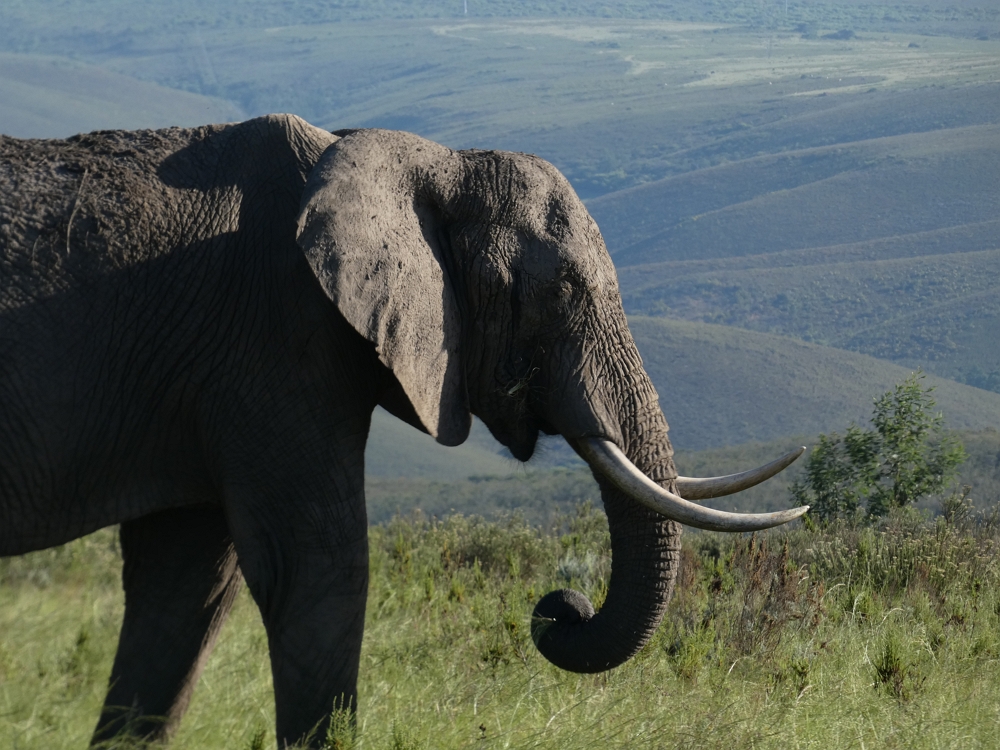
x,y
369,227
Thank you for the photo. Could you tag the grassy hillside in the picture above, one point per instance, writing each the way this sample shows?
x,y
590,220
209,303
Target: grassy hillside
x,y
396,450
938,310
870,201
34,23
50,97
851,193
613,102
724,386
540,495
886,247
537,495
923,299
966,238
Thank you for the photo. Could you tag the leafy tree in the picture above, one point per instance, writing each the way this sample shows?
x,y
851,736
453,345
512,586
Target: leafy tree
x,y
902,458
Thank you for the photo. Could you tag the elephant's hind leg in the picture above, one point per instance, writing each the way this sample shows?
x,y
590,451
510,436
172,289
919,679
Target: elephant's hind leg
x,y
180,578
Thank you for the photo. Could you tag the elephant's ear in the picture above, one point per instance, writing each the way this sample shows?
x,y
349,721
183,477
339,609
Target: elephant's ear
x,y
370,226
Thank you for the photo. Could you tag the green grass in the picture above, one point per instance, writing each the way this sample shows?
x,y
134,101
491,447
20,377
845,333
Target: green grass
x,y
538,495
886,636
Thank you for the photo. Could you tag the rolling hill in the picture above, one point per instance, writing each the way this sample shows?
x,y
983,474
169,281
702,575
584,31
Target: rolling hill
x,y
886,246
49,97
942,311
721,385
835,195
614,102
397,450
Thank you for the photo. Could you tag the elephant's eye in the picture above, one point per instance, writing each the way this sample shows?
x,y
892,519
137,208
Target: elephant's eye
x,y
564,294
557,302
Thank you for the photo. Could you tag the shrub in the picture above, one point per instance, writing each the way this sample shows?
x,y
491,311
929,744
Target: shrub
x,y
904,457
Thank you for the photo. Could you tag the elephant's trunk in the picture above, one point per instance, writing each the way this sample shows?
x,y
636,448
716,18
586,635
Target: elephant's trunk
x,y
611,417
645,552
645,549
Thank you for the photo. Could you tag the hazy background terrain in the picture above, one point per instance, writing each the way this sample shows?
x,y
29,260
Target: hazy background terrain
x,y
802,199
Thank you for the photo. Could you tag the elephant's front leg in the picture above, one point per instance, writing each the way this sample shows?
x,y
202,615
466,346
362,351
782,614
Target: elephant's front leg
x,y
306,564
180,578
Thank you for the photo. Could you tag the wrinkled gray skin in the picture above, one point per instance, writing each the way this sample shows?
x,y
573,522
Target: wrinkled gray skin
x,y
186,353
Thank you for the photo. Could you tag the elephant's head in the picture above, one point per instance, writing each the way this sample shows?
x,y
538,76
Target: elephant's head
x,y
487,289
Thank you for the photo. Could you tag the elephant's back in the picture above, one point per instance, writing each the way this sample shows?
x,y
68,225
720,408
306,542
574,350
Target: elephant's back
x,y
74,208
41,177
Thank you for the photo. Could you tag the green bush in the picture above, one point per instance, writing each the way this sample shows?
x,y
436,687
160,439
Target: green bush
x,y
902,458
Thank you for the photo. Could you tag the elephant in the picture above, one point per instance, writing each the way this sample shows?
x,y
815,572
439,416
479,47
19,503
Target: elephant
x,y
195,328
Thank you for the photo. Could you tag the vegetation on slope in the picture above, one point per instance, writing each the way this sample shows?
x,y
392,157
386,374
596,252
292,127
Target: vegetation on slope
x,y
885,247
397,451
859,190
541,494
720,385
888,635
978,378
613,102
942,308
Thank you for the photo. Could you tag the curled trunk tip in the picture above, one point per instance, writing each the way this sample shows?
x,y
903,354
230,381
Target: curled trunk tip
x,y
556,613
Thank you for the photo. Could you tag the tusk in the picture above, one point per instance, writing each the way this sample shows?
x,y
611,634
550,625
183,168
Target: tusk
x,y
696,488
607,458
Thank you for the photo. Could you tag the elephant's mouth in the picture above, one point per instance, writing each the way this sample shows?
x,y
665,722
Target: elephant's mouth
x,y
521,438
606,459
